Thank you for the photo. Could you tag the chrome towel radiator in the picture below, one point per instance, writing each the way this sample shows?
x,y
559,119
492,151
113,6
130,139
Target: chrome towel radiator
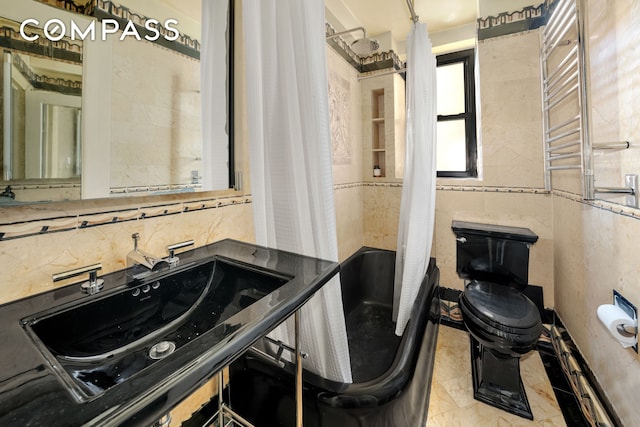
x,y
566,135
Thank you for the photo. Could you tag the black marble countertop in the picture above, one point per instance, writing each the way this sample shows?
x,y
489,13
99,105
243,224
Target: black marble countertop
x,y
32,392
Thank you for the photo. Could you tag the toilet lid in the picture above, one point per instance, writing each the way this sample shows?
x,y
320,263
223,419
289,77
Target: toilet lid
x,y
501,306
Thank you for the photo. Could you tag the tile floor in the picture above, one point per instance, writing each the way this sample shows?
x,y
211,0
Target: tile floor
x,y
452,404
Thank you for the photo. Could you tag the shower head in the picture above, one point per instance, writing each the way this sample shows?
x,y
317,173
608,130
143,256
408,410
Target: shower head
x,y
365,46
361,47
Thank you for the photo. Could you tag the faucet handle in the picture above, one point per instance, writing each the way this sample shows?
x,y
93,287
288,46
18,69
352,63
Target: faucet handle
x,y
172,259
135,237
91,286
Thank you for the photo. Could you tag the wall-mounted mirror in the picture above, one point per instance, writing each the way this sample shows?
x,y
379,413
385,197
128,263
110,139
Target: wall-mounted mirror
x,y
134,125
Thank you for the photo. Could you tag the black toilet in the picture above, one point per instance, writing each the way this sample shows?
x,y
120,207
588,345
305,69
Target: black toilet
x,y
503,323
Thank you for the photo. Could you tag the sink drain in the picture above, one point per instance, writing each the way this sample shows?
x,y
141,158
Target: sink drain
x,y
162,350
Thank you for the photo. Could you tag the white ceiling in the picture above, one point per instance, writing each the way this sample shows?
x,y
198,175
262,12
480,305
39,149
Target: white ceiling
x,y
379,16
441,16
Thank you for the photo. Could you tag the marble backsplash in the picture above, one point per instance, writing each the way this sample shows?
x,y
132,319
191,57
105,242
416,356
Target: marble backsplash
x,y
32,250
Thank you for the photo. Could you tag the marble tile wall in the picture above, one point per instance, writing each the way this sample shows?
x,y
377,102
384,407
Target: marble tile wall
x,y
595,243
29,262
346,119
595,252
349,216
160,111
346,126
531,210
510,189
381,211
614,57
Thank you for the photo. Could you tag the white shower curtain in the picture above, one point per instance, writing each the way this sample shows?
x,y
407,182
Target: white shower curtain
x,y
417,208
290,158
213,94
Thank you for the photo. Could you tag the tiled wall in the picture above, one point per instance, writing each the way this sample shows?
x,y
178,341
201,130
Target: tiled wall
x,y
522,209
346,129
381,214
510,190
159,110
595,243
615,86
75,239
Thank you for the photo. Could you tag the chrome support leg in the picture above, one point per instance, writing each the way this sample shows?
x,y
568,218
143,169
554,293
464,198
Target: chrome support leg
x,y
220,399
298,370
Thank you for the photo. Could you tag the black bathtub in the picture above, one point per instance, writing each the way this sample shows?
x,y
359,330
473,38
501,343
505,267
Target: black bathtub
x,y
392,375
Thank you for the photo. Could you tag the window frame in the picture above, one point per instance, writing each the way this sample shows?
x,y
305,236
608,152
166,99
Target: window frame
x,y
467,58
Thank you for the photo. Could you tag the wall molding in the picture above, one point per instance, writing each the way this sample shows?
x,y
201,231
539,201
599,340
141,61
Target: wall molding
x,y
44,82
526,19
605,205
463,188
62,50
492,189
21,229
155,189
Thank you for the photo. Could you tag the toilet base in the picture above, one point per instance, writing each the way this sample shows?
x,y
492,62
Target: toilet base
x,y
496,380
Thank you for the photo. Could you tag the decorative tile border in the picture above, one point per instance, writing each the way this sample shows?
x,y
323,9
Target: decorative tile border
x,y
92,220
156,189
84,7
381,61
16,230
185,44
41,81
337,187
463,188
489,189
42,186
590,404
102,9
600,204
64,50
367,184
528,18
31,228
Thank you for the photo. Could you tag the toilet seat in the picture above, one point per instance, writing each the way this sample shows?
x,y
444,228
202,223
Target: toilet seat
x,y
500,317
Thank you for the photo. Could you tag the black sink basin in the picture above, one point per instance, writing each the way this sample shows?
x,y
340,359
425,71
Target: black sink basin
x,y
105,341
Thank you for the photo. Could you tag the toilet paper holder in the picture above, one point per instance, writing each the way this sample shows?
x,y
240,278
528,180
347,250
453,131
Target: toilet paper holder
x,y
627,330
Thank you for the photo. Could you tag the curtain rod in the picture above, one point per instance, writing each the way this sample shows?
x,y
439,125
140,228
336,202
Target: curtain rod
x,y
414,17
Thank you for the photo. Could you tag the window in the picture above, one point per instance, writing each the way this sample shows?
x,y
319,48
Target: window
x,y
456,144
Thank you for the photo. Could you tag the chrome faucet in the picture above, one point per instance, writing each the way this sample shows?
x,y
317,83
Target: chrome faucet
x,y
172,259
138,258
91,286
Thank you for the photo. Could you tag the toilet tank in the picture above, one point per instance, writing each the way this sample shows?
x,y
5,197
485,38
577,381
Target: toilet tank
x,y
493,253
